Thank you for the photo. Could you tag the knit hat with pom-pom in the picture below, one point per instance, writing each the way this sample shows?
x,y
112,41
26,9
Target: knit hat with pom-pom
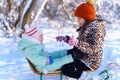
x,y
33,32
86,10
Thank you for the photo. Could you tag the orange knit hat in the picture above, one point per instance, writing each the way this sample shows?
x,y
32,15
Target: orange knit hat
x,y
86,11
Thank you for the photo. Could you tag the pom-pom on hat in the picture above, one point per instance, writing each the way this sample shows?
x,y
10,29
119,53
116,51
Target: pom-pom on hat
x,y
90,1
33,32
86,10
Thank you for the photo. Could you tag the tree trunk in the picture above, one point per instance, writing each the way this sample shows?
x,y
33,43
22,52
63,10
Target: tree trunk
x,y
20,10
27,16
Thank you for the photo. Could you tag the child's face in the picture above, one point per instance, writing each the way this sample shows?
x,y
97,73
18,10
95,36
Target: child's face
x,y
81,21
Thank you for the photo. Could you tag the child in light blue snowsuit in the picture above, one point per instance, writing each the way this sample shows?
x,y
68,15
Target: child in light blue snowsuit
x,y
32,48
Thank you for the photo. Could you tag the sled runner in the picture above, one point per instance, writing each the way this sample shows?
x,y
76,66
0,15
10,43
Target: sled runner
x,y
57,72
111,72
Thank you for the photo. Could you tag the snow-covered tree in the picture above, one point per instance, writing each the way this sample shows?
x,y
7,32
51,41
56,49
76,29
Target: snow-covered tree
x,y
14,14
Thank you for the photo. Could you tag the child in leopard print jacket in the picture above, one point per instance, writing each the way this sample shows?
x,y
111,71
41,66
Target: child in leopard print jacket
x,y
90,42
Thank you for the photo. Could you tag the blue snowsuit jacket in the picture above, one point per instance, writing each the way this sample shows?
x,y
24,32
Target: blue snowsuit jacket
x,y
35,53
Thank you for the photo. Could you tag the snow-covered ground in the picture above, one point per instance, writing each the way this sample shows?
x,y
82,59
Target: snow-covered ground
x,y
13,65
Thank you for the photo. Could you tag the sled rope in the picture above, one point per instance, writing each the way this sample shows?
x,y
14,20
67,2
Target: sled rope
x,y
114,64
106,71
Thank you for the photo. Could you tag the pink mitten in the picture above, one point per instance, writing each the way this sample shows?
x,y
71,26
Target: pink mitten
x,y
72,41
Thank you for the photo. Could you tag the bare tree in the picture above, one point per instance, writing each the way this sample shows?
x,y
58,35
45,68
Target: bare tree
x,y
27,16
12,13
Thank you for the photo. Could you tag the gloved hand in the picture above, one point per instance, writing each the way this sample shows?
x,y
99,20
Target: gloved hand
x,y
72,41
76,53
63,38
59,38
49,60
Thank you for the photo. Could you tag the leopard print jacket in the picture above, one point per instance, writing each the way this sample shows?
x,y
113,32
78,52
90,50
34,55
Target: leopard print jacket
x,y
91,42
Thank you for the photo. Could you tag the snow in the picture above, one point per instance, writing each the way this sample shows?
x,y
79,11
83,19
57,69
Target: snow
x,y
53,46
13,65
40,11
1,2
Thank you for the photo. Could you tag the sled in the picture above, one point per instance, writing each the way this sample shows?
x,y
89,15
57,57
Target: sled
x,y
35,71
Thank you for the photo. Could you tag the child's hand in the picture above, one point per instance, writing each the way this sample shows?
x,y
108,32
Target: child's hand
x,y
49,60
59,38
66,38
63,38
72,41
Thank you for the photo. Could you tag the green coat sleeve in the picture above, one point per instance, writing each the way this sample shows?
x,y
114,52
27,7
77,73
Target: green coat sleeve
x,y
58,54
59,62
32,51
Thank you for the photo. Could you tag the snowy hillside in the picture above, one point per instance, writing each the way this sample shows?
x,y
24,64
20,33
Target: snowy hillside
x,y
13,65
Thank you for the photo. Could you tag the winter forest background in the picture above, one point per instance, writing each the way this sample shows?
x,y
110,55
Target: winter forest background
x,y
54,17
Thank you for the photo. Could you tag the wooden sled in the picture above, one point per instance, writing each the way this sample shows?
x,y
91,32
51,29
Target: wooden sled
x,y
57,72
